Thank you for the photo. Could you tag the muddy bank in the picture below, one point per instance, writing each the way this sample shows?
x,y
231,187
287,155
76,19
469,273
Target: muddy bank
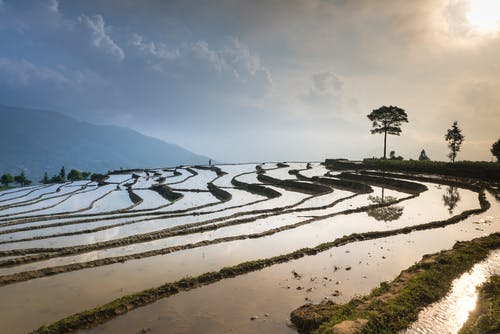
x,y
473,185
380,181
395,305
303,187
101,314
352,186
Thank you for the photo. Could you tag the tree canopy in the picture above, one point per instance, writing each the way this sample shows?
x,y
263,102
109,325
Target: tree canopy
x,y
455,138
387,120
22,180
495,149
6,179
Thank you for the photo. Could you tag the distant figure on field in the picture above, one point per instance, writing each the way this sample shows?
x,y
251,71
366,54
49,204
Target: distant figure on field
x,y
210,162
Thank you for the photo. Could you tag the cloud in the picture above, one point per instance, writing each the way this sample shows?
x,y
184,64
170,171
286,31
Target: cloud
x,y
100,36
236,59
326,83
218,62
23,72
325,92
53,6
158,52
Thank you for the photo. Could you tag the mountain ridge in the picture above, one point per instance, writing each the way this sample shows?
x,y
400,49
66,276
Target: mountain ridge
x,y
38,141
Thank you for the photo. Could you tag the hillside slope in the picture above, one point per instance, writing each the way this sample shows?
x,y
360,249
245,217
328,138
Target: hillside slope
x,y
37,141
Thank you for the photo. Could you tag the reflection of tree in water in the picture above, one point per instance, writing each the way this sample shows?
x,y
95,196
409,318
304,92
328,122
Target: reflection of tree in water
x,y
451,198
384,213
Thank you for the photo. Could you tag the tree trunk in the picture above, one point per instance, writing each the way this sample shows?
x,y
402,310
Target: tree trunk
x,y
385,143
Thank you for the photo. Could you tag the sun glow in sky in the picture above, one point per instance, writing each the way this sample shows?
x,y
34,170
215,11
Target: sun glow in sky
x,y
484,16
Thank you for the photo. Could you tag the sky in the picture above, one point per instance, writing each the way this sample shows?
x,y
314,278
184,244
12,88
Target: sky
x,y
262,80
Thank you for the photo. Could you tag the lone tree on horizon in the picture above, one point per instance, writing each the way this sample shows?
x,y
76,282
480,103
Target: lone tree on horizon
x,y
495,150
454,137
387,120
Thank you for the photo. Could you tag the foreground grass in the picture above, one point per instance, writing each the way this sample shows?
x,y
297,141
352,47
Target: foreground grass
x,y
394,306
485,319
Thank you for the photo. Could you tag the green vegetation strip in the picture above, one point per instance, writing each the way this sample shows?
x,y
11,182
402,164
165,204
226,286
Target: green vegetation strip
x,y
485,319
93,317
394,306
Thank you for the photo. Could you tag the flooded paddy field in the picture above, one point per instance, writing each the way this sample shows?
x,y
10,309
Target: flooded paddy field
x,y
140,230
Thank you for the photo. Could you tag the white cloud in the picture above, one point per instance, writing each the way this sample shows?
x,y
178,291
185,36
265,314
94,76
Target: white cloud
x,y
202,50
100,36
157,52
236,59
23,71
53,6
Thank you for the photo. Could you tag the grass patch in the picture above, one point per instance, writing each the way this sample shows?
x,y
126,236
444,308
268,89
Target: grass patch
x,y
485,319
394,306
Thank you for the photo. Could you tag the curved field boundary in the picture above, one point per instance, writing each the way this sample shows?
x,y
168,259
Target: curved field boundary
x,y
18,220
263,213
35,188
393,306
190,170
473,185
276,212
100,215
32,274
41,197
160,234
253,187
333,182
91,318
291,185
394,184
20,214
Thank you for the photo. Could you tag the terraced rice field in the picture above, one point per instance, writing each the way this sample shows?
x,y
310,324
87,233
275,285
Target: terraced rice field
x,y
70,247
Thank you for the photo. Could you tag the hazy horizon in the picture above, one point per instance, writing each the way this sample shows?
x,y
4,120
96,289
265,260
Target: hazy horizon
x,y
262,80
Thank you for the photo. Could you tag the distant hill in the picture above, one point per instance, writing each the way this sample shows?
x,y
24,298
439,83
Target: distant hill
x,y
42,141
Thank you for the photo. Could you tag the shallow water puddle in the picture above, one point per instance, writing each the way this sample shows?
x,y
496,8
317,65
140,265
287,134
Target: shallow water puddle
x,y
448,315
